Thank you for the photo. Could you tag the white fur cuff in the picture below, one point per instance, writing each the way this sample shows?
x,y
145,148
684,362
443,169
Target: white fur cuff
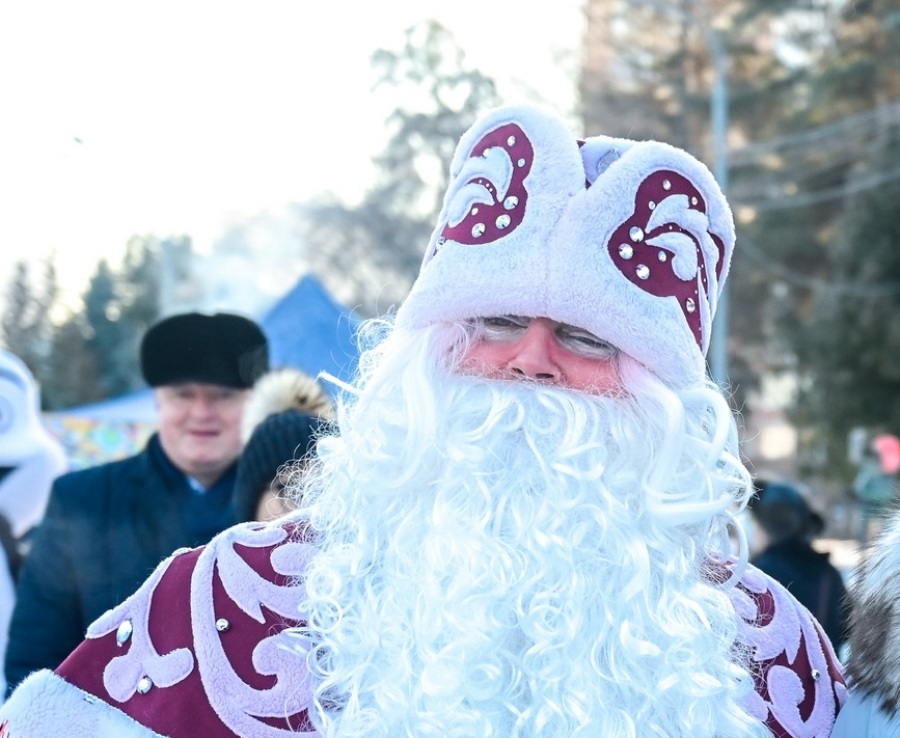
x,y
45,706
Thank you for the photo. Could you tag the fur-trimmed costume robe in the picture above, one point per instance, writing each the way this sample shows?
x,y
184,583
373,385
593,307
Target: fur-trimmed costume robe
x,y
204,648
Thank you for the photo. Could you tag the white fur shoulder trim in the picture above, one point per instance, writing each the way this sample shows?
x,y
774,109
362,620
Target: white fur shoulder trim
x,y
46,706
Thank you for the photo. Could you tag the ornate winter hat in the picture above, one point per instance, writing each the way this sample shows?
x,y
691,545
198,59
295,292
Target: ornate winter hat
x,y
630,240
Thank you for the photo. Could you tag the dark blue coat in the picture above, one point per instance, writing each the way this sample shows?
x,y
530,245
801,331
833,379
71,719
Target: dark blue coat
x,y
813,580
105,530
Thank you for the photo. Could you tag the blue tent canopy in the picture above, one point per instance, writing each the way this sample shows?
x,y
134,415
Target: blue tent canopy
x,y
308,330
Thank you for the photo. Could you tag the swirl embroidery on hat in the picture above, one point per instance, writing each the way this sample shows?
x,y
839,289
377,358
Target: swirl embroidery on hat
x,y
666,249
487,197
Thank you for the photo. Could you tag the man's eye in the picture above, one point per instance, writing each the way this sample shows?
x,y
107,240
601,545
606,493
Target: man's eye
x,y
504,322
587,342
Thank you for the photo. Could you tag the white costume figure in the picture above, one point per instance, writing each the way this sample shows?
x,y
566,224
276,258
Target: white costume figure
x,y
520,527
30,459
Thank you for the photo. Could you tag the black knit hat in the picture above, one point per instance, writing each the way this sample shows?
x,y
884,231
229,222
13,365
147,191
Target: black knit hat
x,y
277,440
783,512
224,349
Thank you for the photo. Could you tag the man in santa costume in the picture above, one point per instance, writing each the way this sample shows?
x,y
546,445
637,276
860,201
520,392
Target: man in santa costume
x,y
521,526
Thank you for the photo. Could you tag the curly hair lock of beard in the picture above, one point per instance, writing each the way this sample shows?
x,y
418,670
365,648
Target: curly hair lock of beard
x,y
499,558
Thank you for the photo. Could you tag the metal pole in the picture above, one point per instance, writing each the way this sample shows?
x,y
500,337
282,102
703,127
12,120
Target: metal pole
x,y
718,349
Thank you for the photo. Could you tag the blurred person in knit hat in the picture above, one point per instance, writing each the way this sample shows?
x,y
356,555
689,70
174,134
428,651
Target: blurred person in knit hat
x,y
521,524
875,484
30,459
108,527
287,412
790,526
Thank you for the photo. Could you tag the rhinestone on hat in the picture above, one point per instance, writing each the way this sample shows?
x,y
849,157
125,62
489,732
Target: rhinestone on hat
x,y
510,202
667,185
643,271
144,684
511,141
222,625
478,230
690,305
123,632
503,221
636,234
625,251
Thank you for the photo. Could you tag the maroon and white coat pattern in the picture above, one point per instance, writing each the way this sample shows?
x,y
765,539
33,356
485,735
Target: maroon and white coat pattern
x,y
228,665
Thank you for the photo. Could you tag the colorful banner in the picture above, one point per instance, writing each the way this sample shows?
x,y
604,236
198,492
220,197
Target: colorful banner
x,y
90,442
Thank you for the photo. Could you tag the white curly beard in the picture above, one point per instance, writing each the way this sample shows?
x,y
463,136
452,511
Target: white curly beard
x,y
501,559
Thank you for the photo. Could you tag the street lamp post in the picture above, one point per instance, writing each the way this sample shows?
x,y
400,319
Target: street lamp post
x,y
718,348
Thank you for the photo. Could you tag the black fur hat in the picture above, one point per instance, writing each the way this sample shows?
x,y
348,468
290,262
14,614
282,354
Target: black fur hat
x,y
224,349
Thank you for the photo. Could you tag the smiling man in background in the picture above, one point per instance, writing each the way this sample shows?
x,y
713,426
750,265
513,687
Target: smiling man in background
x,y
108,527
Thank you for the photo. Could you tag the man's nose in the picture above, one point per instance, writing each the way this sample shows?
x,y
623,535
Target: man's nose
x,y
203,407
532,356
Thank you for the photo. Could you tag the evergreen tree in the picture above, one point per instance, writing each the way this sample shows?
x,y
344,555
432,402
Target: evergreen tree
x,y
848,344
104,331
93,354
376,247
71,368
823,241
26,322
118,308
